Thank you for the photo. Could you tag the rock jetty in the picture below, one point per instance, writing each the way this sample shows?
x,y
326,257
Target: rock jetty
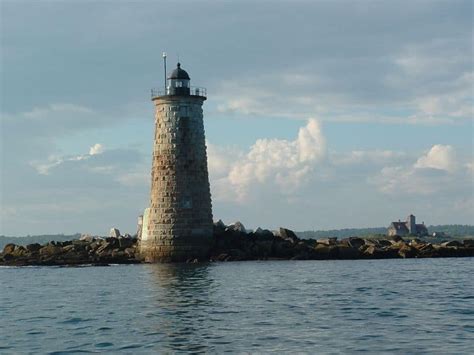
x,y
87,250
234,243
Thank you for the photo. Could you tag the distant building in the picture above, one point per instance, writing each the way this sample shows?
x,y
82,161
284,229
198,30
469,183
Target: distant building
x,y
409,227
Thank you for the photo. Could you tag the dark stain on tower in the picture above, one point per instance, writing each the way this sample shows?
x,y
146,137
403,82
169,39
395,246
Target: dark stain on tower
x,y
178,224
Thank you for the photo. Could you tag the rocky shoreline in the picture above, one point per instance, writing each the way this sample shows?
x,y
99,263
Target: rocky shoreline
x,y
234,243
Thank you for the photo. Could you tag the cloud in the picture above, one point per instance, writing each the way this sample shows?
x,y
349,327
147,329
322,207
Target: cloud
x,y
282,164
287,168
303,177
416,82
72,193
374,157
405,181
435,172
440,157
54,161
381,63
96,149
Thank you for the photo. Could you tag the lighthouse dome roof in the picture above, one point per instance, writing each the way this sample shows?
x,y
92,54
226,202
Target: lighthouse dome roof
x,y
179,73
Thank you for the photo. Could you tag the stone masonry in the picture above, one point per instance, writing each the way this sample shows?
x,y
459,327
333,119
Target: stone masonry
x,y
178,224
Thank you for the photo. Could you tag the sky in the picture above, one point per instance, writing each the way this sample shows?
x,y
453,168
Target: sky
x,y
320,114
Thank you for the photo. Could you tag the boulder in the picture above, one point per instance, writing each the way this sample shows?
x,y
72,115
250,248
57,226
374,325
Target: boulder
x,y
324,251
288,235
219,227
125,242
407,251
19,250
237,227
396,238
95,245
50,250
86,237
355,242
262,249
33,247
377,252
451,243
426,250
446,251
384,242
104,249
114,233
417,241
112,241
468,243
327,241
348,252
68,248
303,251
8,249
283,248
220,224
130,252
118,254
264,234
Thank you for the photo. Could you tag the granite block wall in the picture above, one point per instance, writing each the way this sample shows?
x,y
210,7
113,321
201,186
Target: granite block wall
x,y
179,225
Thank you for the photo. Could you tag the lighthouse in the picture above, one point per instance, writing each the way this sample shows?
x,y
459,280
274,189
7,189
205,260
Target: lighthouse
x,y
177,226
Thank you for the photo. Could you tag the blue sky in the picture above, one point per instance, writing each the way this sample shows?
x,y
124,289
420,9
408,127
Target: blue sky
x,y
319,114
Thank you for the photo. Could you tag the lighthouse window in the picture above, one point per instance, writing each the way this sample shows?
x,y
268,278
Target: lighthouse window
x,y
179,84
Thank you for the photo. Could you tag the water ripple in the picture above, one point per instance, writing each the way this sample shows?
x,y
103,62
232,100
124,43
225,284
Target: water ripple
x,y
375,306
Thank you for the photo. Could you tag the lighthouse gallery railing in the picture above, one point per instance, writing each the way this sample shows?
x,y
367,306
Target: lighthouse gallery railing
x,y
193,91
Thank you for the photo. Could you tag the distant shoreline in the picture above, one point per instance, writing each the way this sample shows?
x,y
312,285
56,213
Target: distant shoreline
x,y
233,243
452,231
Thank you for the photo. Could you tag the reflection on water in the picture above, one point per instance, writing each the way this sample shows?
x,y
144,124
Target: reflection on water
x,y
180,301
377,306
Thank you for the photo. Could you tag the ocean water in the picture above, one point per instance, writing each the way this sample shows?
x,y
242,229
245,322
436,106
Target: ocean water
x,y
380,306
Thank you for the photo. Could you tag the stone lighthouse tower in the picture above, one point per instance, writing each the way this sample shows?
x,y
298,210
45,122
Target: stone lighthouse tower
x,y
178,224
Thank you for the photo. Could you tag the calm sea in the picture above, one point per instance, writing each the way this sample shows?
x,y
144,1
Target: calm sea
x,y
380,306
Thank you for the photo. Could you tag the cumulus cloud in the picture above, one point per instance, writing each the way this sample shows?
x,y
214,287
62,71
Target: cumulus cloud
x,y
301,175
405,180
282,164
440,157
96,149
437,171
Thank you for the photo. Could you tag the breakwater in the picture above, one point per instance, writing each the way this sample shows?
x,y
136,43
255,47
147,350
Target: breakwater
x,y
233,243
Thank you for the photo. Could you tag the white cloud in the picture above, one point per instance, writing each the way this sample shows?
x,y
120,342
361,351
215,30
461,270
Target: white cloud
x,y
403,181
375,157
96,149
282,164
417,83
437,172
54,161
442,157
221,159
